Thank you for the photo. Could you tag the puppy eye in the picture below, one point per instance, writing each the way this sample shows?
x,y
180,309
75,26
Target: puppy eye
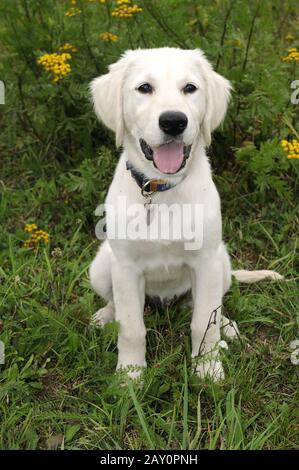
x,y
145,88
189,88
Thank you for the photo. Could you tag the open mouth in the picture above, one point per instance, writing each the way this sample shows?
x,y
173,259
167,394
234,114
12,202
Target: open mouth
x,y
169,158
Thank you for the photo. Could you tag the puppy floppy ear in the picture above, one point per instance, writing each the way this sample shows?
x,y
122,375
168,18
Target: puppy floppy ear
x,y
107,95
217,90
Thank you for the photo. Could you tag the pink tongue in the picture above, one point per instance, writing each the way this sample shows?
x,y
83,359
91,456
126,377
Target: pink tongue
x,y
168,158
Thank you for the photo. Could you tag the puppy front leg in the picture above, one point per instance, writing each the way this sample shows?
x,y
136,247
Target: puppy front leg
x,y
129,293
205,326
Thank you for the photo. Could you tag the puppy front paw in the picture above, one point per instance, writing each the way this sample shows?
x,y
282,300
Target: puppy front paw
x,y
212,370
209,365
131,373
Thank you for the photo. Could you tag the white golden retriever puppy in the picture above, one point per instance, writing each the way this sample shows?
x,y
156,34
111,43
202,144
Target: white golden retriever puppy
x,y
163,105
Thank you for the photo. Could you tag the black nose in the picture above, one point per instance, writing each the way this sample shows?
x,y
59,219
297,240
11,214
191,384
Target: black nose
x,y
173,122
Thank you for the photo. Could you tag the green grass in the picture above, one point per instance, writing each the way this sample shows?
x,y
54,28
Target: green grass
x,y
58,386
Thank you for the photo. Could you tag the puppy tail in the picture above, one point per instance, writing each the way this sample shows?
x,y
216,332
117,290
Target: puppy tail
x,y
242,275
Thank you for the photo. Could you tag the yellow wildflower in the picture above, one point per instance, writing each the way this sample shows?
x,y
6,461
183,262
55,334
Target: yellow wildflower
x,y
68,47
291,148
109,37
293,55
56,64
125,9
30,227
36,237
289,37
73,12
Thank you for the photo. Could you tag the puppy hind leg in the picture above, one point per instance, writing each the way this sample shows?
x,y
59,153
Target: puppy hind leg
x,y
227,274
228,327
100,279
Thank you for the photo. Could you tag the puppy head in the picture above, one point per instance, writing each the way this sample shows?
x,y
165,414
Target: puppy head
x,y
162,102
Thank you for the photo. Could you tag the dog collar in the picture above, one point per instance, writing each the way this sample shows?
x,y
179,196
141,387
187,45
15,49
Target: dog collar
x,y
148,185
